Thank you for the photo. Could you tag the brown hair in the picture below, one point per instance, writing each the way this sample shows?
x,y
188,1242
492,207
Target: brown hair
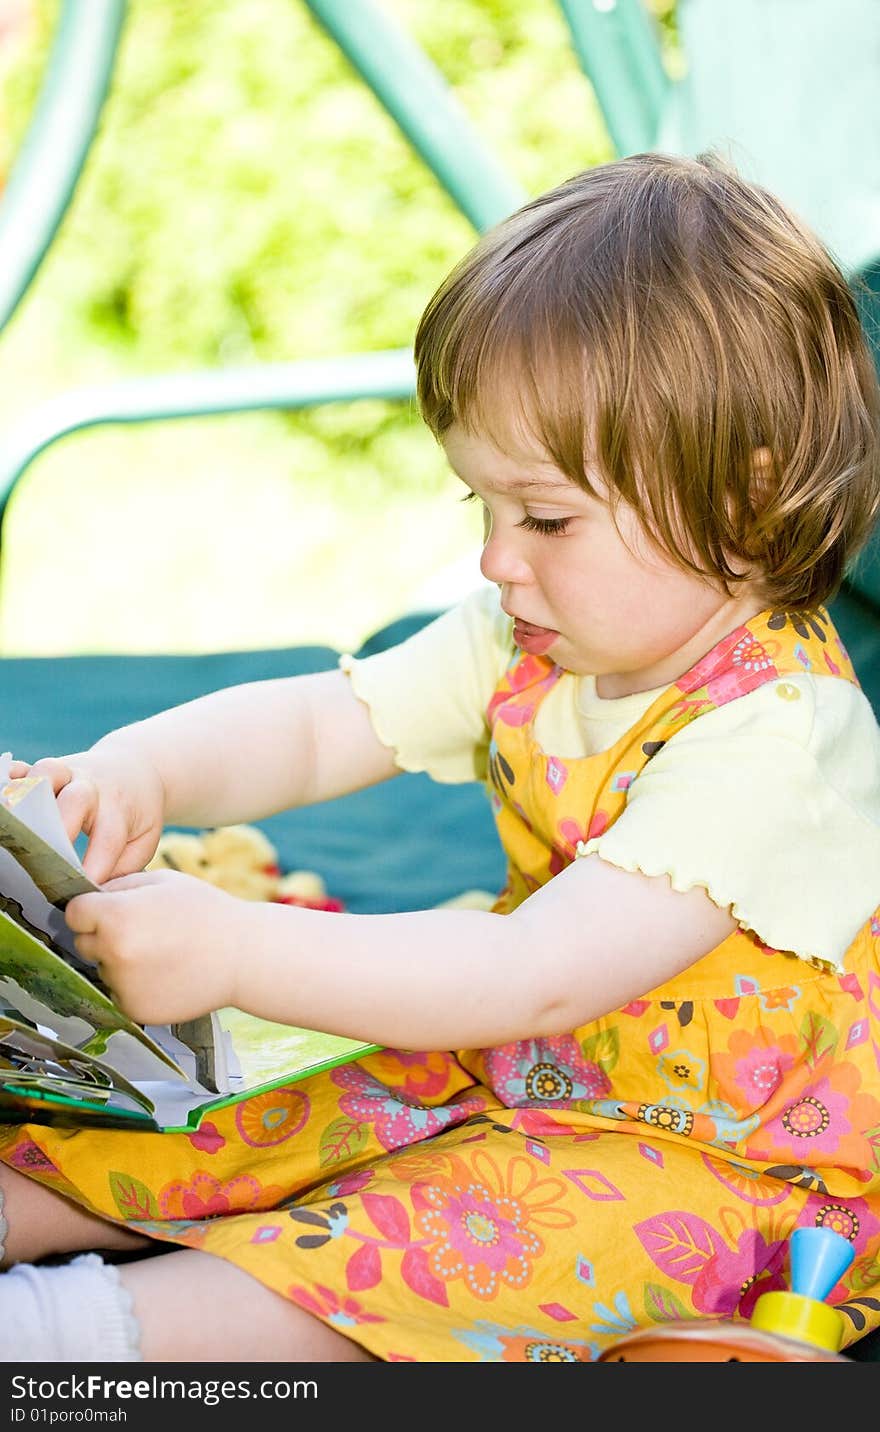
x,y
664,319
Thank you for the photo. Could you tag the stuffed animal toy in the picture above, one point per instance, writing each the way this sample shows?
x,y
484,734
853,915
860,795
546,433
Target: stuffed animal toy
x,y
243,861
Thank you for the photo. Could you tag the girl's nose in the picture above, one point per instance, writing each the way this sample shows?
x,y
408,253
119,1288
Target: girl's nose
x,y
501,563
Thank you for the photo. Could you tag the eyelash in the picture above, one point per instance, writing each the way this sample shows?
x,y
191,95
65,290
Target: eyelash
x,y
547,526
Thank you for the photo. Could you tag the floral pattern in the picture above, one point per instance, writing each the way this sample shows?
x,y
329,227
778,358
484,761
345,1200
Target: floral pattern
x,y
536,1201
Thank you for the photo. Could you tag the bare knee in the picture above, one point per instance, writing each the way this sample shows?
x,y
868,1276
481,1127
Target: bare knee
x,y
41,1222
176,1299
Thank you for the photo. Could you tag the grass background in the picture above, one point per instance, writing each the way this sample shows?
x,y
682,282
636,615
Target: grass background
x,y
246,200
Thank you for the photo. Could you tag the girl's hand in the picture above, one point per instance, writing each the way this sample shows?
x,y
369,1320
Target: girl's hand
x,y
114,793
165,944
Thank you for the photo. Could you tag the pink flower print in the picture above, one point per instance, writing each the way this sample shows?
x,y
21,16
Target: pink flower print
x,y
751,654
416,1076
549,1073
812,1117
511,712
832,1116
29,1157
734,1278
340,1311
482,1219
205,1196
526,670
539,1125
736,682
207,1138
723,1280
754,1067
713,663
525,682
572,834
853,1219
396,1121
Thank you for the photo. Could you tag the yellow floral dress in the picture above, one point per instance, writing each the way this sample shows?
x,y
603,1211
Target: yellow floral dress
x,y
536,1201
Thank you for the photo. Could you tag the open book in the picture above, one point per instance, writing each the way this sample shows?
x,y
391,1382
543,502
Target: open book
x,y
68,1054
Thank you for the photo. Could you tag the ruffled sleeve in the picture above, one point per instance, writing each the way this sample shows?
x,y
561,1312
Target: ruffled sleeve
x,y
772,804
428,695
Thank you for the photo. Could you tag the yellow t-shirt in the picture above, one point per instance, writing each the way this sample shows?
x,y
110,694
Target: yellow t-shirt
x,y
772,805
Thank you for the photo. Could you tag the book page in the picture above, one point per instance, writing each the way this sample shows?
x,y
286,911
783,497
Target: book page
x,y
39,872
32,831
31,1059
266,1051
36,983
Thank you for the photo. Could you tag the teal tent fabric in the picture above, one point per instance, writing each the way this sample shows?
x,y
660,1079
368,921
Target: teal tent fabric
x,y
404,845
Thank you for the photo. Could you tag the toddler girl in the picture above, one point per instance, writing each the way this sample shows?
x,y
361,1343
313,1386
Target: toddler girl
x,y
614,1105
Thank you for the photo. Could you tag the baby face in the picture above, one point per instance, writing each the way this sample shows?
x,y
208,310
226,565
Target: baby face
x,y
596,599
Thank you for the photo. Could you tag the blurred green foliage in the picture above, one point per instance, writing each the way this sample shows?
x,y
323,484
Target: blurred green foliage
x,y
247,199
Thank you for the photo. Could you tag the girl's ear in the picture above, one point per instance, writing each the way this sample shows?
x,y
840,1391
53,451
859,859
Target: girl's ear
x,y
762,469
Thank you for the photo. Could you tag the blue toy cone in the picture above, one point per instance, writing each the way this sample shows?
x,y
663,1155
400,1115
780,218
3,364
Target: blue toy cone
x,y
818,1257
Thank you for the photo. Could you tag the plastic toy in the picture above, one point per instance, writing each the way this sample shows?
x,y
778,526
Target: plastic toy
x,y
242,860
797,1326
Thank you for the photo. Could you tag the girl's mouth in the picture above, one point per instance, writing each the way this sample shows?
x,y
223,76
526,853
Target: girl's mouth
x,y
533,639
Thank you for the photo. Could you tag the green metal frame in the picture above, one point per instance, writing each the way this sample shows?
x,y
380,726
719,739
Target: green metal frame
x,y
267,386
59,136
616,43
417,97
409,87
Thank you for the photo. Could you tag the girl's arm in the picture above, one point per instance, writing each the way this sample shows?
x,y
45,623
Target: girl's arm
x,y
245,752
239,754
590,941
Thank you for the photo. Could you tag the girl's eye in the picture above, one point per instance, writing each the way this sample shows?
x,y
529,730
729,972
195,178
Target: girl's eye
x,y
549,526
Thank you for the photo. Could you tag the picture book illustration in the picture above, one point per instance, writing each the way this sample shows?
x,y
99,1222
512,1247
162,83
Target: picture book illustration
x,y
68,1053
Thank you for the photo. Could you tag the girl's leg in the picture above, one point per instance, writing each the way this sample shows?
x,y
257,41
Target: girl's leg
x,y
41,1222
195,1307
190,1306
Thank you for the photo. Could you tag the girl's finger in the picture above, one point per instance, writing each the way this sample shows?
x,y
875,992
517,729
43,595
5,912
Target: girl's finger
x,y
17,769
87,949
139,878
57,772
81,915
107,840
77,802
138,853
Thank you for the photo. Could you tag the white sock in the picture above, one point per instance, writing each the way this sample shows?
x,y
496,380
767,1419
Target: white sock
x,y
75,1312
